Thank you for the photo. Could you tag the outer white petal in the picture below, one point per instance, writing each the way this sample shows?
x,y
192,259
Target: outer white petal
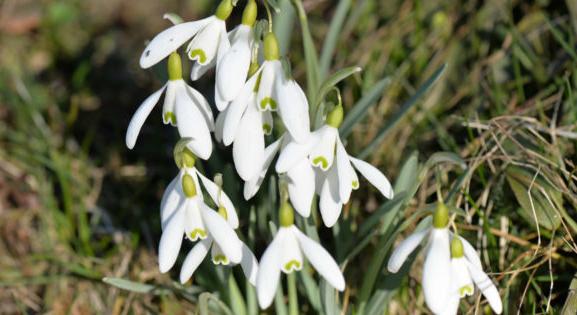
x,y
323,154
487,287
202,105
291,256
221,199
249,264
471,253
223,48
268,275
437,271
293,109
293,152
374,176
236,109
172,200
301,187
219,125
170,242
169,40
462,282
170,100
346,173
321,260
199,70
140,116
248,147
207,40
404,249
252,186
191,123
330,203
222,234
233,67
271,71
452,306
194,258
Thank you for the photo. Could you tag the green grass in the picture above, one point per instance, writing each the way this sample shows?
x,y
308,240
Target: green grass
x,y
495,134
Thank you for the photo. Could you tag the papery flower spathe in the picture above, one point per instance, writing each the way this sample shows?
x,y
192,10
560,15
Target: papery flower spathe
x,y
337,177
285,254
233,67
466,269
210,39
183,211
437,268
184,107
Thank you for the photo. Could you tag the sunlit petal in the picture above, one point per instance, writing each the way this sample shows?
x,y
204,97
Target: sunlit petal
x,y
248,147
437,271
170,242
404,249
140,116
374,176
222,234
194,258
487,287
301,187
268,275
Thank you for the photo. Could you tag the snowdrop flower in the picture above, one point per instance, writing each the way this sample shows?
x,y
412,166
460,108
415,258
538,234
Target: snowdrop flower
x,y
437,268
285,254
184,107
232,69
301,178
464,272
197,254
209,38
338,178
183,211
275,92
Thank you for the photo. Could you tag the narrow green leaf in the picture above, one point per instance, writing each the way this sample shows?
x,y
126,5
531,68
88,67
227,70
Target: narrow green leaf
x,y
332,37
328,295
445,157
402,112
333,80
311,57
204,305
130,285
236,300
311,290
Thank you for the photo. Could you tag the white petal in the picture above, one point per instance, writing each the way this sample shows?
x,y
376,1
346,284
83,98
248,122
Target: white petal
x,y
237,109
437,271
291,256
266,98
170,100
487,287
249,264
330,203
452,306
252,186
202,105
462,282
219,125
220,198
323,154
198,70
169,40
191,124
321,260
170,242
404,249
248,147
172,200
268,275
194,258
301,187
374,176
471,253
233,67
194,225
218,256
140,116
204,45
345,173
223,48
293,152
293,109
222,234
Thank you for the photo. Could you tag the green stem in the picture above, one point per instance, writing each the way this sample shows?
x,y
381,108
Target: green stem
x,y
292,293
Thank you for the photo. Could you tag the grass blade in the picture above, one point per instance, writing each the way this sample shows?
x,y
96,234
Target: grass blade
x,y
333,80
311,57
333,36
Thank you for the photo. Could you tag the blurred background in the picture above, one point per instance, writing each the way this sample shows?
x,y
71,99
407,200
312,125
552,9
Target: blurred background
x,y
76,205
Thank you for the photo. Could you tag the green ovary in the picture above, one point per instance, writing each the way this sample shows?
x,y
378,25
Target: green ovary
x,y
292,265
197,53
220,259
355,184
466,290
322,161
267,128
170,117
198,233
268,101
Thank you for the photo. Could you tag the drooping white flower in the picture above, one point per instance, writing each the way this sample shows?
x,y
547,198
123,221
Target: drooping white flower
x,y
183,211
301,178
184,107
466,269
338,178
233,67
285,254
276,92
437,268
209,39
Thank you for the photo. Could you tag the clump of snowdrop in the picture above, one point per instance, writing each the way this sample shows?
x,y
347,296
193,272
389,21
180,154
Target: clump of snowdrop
x,y
285,253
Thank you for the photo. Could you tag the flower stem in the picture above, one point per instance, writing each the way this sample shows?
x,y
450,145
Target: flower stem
x,y
292,293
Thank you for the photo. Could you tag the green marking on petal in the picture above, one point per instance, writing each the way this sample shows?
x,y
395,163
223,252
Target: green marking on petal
x,y
466,290
267,129
322,162
197,233
197,54
268,103
355,184
220,259
292,265
170,117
